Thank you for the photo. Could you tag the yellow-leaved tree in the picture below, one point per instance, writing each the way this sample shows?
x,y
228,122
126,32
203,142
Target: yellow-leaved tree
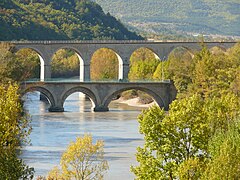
x,y
82,160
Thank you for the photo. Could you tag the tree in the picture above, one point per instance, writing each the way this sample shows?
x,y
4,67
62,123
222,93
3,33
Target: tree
x,y
143,64
65,63
82,160
17,66
11,167
224,150
171,139
14,129
104,65
212,74
176,143
30,63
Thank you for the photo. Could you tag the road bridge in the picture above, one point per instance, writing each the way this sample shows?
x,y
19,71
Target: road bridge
x,y
123,50
100,93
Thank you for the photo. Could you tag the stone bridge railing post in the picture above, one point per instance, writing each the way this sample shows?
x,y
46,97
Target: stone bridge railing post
x,y
47,72
85,73
126,70
124,66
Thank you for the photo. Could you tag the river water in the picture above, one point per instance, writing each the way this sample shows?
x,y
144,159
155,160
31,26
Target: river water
x,y
52,132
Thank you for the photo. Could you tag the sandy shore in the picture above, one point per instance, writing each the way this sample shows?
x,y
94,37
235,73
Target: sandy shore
x,y
134,102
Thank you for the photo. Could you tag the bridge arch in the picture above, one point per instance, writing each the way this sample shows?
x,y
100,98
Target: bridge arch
x,y
40,56
147,50
159,100
83,90
188,50
79,56
114,55
218,49
43,91
144,60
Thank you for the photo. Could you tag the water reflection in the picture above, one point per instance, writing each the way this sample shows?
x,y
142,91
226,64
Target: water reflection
x,y
52,132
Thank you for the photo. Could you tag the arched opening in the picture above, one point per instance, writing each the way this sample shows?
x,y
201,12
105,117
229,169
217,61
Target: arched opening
x,y
182,52
33,104
67,64
143,63
217,50
78,100
178,59
133,98
106,64
30,64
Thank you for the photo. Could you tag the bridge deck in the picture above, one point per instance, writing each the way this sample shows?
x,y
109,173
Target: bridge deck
x,y
111,42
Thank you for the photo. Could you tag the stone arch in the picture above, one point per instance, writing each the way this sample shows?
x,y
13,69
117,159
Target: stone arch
x,y
188,50
154,95
221,48
156,55
138,61
43,91
83,90
41,57
79,55
119,58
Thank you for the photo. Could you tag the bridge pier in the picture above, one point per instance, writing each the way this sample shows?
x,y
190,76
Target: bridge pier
x,y
101,109
47,72
125,70
56,109
85,75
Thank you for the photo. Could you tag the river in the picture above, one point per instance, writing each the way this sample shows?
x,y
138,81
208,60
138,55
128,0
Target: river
x,y
52,132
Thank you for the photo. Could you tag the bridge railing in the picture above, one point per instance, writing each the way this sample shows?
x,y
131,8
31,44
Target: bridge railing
x,y
92,81
79,41
105,42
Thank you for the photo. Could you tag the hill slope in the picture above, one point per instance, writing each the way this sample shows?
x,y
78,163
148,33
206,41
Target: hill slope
x,y
196,16
58,19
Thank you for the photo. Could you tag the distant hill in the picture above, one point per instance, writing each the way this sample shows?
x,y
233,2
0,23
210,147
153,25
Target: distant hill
x,y
188,16
58,19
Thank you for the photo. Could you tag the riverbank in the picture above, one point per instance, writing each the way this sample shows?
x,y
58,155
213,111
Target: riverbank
x,y
133,102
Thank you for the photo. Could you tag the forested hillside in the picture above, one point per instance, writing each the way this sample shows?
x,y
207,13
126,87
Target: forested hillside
x,y
192,16
58,19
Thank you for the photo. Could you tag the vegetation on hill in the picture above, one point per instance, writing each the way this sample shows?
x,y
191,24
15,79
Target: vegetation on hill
x,y
58,19
173,16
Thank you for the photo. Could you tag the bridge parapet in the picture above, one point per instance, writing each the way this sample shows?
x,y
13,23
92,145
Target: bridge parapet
x,y
111,42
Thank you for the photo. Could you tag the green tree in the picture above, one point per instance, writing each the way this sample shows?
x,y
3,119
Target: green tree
x,y
82,160
224,150
143,65
17,66
212,74
176,143
179,68
65,63
13,168
171,139
30,63
192,168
